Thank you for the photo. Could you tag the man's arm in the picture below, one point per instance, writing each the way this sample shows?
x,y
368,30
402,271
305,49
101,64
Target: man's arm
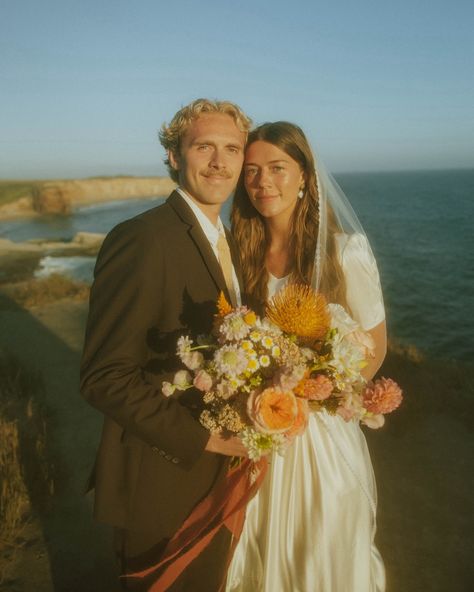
x,y
125,303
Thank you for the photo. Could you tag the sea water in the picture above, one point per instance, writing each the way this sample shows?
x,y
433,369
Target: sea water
x,y
420,228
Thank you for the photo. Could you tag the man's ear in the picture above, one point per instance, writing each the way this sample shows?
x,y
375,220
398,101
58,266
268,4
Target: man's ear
x,y
173,160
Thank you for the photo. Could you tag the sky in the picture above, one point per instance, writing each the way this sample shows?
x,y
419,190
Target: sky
x,y
376,85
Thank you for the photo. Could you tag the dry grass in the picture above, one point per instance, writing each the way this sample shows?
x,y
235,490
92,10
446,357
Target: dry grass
x,y
14,500
36,292
26,473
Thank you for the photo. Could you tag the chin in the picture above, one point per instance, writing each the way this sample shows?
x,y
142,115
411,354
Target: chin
x,y
268,213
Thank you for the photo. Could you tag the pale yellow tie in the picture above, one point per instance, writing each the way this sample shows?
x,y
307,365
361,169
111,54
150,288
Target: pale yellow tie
x,y
225,261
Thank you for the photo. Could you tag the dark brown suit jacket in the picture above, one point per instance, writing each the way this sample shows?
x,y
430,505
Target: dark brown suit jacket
x,y
156,278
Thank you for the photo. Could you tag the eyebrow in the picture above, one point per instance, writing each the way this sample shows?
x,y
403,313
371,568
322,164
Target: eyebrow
x,y
269,162
200,141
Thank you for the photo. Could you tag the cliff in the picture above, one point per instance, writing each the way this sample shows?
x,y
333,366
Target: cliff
x,y
61,196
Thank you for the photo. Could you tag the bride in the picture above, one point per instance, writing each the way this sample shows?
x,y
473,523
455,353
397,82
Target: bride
x,y
311,526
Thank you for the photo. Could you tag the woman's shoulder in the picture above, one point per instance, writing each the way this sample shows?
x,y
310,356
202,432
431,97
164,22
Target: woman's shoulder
x,y
363,290
351,242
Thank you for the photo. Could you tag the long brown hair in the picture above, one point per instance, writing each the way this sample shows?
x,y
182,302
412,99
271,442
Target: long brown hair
x,y
249,228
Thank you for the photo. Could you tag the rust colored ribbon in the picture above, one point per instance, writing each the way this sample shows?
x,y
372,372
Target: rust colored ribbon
x,y
223,506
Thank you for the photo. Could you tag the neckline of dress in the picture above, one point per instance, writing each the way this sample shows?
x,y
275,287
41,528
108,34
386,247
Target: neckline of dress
x,y
273,277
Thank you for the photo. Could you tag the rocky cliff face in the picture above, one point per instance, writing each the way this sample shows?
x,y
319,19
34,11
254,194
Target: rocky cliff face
x,y
59,197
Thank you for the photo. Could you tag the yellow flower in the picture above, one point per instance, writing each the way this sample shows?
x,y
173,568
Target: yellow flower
x,y
253,365
246,345
234,384
267,342
255,336
276,351
250,318
299,310
223,307
264,361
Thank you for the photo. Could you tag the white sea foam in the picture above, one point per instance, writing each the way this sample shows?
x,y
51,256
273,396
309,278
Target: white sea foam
x,y
77,268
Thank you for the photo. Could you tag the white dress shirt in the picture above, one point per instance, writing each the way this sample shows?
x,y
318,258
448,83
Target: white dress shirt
x,y
212,234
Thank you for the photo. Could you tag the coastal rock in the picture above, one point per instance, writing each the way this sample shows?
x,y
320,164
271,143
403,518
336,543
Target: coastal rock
x,y
7,246
88,239
52,199
62,196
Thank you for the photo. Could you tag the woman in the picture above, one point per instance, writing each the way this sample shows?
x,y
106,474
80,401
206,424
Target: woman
x,y
311,526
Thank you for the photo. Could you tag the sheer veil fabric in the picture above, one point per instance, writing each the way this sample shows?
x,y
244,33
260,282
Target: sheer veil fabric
x,y
311,526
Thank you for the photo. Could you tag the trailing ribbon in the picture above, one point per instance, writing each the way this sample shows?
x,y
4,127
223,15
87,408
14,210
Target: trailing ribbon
x,y
223,506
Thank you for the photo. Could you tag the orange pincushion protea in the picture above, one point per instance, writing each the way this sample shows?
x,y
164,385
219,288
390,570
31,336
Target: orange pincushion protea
x,y
273,410
299,310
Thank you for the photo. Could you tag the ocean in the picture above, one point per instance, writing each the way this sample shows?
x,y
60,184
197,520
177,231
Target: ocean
x,y
420,228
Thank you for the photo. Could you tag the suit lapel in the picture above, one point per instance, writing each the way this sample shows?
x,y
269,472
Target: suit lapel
x,y
200,240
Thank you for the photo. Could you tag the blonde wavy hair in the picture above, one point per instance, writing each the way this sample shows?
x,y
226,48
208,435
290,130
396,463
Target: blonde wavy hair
x,y
171,134
249,228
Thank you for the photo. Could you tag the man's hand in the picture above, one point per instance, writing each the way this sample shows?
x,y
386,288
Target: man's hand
x,y
229,447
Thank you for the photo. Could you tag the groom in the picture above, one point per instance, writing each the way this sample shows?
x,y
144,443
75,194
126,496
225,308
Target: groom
x,y
157,277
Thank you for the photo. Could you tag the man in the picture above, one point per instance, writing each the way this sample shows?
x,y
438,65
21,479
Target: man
x,y
158,276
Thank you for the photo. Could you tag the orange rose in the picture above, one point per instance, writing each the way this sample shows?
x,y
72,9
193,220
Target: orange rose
x,y
273,410
301,420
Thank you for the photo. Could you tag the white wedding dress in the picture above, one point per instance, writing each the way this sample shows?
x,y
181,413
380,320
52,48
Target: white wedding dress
x,y
311,526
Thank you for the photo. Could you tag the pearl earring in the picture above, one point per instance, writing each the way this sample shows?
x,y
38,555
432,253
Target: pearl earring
x,y
300,194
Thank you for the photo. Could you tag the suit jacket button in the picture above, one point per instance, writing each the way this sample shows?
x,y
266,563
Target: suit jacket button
x,y
168,456
175,460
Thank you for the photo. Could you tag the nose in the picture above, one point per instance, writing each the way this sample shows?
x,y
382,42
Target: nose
x,y
263,179
216,160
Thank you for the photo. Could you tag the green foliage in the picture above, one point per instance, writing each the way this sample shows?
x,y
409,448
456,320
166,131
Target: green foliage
x,y
12,190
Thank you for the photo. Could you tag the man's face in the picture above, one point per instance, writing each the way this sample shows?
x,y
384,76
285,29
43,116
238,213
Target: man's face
x,y
210,159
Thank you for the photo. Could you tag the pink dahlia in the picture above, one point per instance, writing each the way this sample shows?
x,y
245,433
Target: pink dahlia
x,y
382,396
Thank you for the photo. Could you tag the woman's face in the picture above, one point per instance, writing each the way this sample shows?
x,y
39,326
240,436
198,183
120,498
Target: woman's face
x,y
272,180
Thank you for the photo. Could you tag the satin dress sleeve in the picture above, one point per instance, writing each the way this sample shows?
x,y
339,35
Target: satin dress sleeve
x,y
363,290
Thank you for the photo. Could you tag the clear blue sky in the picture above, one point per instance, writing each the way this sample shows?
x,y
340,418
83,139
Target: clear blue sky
x,y
377,85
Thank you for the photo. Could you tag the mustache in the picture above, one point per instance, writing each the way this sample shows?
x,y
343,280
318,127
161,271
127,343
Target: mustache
x,y
223,174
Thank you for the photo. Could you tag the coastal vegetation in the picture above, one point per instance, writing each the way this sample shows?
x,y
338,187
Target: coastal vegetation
x,y
38,292
11,190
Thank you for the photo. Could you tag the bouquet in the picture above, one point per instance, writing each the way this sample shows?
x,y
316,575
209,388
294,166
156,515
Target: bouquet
x,y
261,377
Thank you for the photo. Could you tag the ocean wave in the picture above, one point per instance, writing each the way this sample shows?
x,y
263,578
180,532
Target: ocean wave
x,y
79,268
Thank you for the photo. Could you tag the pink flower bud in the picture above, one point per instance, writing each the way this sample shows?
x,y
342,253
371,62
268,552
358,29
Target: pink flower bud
x,y
373,421
203,381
